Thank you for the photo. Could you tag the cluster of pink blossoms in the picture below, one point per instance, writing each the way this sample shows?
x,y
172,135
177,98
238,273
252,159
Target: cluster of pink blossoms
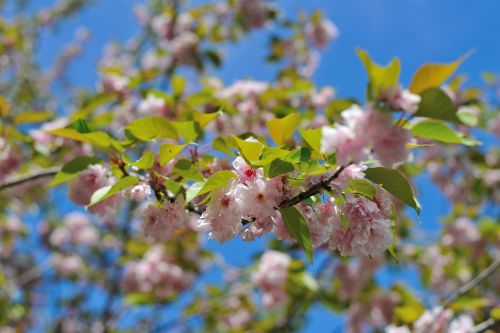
x,y
159,221
365,133
321,33
77,229
437,320
156,273
271,277
252,198
10,159
88,181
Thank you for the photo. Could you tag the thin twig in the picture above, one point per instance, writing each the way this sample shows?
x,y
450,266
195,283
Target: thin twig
x,y
472,283
486,325
24,179
313,190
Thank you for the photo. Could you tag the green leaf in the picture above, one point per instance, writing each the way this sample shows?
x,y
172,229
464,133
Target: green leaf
x,y
312,137
433,75
395,183
146,161
149,128
220,144
205,118
380,77
279,167
335,107
217,180
439,131
107,191
186,169
362,186
168,152
250,150
31,117
437,104
189,130
100,139
298,228
178,85
80,126
281,130
71,169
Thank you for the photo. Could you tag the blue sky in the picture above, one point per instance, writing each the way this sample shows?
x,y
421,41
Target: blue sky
x,y
417,31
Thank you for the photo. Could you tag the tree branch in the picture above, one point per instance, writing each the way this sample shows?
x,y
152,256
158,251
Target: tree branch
x,y
313,190
24,179
472,283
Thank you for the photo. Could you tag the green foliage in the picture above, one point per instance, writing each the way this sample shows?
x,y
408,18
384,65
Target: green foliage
x,y
71,169
439,131
149,128
433,75
395,183
281,130
299,228
437,104
168,151
108,191
216,181
379,77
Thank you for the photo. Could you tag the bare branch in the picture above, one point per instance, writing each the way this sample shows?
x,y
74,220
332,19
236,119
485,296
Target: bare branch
x,y
472,283
25,179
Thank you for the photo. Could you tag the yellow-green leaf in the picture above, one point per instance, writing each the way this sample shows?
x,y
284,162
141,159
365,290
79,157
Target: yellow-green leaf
x,y
380,77
100,139
281,130
146,161
168,152
250,150
312,137
31,117
107,191
433,75
153,127
205,118
4,107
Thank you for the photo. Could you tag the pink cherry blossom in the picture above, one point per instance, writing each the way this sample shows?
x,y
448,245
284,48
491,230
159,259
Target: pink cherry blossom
x,y
366,232
389,145
76,229
245,172
156,273
81,188
321,33
433,321
255,12
462,232
461,324
271,277
160,222
222,218
352,171
348,146
153,105
399,99
138,192
67,266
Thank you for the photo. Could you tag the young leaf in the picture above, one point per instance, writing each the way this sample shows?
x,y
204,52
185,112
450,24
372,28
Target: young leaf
x,y
439,131
31,117
437,104
71,169
189,130
395,183
146,161
281,130
312,137
108,191
298,228
380,77
279,167
149,128
168,152
217,180
250,150
433,75
100,139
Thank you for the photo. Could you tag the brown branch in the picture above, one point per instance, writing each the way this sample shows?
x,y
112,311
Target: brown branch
x,y
313,190
472,283
24,179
